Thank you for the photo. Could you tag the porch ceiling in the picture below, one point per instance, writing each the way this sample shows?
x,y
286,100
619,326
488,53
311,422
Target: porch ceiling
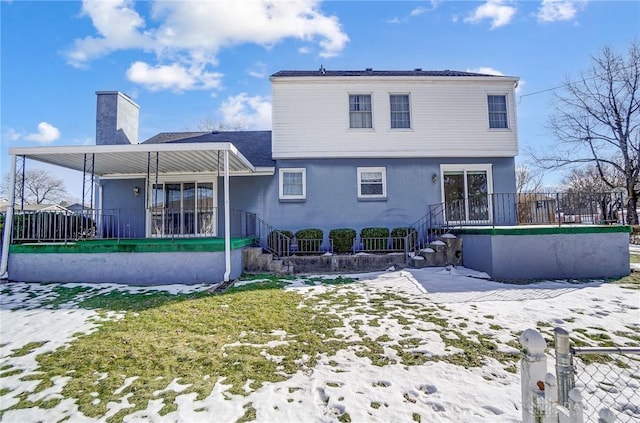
x,y
133,159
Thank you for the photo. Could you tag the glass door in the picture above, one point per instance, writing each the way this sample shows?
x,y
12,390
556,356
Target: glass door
x,y
183,209
466,196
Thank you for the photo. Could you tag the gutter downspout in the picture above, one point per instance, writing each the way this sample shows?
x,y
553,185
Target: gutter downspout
x,y
227,223
8,221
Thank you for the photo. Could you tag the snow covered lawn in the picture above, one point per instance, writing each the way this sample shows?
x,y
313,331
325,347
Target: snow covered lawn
x,y
429,345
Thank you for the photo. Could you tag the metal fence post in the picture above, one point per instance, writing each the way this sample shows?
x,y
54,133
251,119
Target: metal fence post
x,y
564,365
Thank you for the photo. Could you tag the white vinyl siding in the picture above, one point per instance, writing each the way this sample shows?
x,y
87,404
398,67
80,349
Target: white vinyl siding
x,y
293,184
400,111
448,119
372,182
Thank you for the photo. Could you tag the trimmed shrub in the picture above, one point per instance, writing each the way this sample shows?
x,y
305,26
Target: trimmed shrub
x,y
281,246
374,239
309,240
342,240
398,236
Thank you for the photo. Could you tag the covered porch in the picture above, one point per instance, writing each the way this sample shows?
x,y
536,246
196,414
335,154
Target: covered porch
x,y
173,207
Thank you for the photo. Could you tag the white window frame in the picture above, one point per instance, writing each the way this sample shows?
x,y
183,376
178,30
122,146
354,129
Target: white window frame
x,y
383,171
390,112
483,167
281,193
349,112
506,111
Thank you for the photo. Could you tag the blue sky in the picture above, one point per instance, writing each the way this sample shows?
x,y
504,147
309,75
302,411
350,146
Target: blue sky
x,y
184,62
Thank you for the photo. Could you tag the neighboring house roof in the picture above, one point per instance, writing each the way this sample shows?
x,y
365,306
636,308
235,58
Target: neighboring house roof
x,y
255,146
371,72
35,207
163,137
531,196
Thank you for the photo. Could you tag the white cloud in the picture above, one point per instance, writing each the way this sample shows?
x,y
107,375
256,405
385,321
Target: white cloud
x,y
118,25
250,112
172,77
258,70
500,12
559,10
491,71
420,10
187,36
46,134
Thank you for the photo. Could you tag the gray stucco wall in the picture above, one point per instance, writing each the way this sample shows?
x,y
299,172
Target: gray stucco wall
x,y
125,268
332,200
571,256
123,211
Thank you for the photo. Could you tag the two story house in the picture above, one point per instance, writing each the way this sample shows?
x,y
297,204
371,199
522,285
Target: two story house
x,y
347,149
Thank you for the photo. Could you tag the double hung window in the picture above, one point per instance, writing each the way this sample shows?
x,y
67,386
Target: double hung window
x,y
400,113
497,111
293,183
360,112
372,182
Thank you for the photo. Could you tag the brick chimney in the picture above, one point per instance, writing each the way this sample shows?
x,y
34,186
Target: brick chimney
x,y
117,119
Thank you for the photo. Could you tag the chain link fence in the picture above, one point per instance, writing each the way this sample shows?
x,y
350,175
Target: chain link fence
x,y
609,378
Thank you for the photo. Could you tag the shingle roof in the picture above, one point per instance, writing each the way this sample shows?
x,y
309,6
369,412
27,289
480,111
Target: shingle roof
x,y
371,72
254,145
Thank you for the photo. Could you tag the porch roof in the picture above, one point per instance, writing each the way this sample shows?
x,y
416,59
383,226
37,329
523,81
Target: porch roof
x,y
133,159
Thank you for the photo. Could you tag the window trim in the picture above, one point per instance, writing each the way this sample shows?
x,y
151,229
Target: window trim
x,y
383,171
506,111
296,197
410,114
370,94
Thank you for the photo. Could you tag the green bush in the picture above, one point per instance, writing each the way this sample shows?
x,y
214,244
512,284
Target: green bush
x,y
309,240
398,236
281,246
342,240
374,239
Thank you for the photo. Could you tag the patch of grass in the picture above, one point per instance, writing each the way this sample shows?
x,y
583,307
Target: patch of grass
x,y
495,327
634,258
26,349
629,282
65,295
4,391
375,405
345,418
186,337
416,417
474,353
11,373
249,414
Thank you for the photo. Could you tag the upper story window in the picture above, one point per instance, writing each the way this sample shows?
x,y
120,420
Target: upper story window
x,y
360,115
497,111
372,182
400,113
293,184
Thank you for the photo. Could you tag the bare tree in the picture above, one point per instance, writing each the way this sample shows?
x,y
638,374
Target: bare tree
x,y
597,119
585,188
528,179
210,125
39,187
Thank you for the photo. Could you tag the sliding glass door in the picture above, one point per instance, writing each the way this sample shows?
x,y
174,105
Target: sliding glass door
x,y
467,193
183,209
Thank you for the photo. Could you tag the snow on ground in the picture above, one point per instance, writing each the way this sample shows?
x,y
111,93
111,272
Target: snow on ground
x,y
346,383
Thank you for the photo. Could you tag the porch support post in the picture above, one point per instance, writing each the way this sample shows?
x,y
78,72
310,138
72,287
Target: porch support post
x,y
8,221
227,223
